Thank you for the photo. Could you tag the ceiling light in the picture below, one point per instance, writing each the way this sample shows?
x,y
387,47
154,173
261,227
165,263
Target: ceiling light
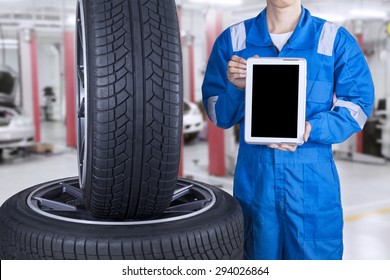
x,y
70,20
331,17
357,13
8,41
218,2
8,44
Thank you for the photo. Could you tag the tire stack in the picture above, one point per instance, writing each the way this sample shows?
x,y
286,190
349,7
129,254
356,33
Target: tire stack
x,y
127,202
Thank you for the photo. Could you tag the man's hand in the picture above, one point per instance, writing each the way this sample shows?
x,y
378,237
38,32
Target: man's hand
x,y
236,72
307,131
293,148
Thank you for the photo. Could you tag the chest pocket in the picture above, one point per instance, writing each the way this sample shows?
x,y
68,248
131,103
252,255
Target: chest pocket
x,y
319,92
319,97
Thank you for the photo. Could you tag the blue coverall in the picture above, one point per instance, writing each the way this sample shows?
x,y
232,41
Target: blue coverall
x,y
291,200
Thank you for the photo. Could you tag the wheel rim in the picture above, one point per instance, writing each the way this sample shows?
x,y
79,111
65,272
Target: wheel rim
x,y
63,200
81,93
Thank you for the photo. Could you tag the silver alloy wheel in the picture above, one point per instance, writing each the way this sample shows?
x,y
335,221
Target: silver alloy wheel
x,y
81,92
63,200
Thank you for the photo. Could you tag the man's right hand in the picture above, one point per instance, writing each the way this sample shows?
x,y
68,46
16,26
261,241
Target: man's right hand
x,y
236,72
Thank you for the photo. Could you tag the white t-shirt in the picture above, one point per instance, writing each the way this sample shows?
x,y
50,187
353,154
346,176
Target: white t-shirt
x,y
280,40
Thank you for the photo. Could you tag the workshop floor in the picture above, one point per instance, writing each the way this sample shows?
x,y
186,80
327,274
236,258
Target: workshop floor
x,y
365,188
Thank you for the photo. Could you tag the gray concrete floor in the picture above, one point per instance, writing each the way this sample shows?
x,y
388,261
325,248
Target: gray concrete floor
x,y
365,188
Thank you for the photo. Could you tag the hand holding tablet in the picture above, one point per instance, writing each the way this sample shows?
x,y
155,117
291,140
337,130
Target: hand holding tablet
x,y
275,101
290,147
237,71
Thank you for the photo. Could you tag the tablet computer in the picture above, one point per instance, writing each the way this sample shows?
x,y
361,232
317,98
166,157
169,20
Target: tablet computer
x,y
275,101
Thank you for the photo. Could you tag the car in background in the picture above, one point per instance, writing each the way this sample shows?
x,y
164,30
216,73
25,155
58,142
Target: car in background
x,y
8,85
193,121
16,130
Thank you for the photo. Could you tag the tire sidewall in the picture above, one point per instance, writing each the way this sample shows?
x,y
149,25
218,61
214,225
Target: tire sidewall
x,y
16,209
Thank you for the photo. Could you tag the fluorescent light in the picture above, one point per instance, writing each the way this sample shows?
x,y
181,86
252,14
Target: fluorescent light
x,y
218,2
353,14
10,44
8,41
331,17
357,13
70,20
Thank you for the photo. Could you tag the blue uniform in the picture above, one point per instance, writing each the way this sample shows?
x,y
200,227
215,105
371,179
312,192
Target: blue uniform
x,y
291,200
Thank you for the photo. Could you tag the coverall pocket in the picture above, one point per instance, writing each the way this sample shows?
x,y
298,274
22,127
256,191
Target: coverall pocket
x,y
323,213
243,179
325,225
319,97
321,187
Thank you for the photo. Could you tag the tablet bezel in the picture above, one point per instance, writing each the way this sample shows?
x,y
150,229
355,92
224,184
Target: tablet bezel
x,y
301,62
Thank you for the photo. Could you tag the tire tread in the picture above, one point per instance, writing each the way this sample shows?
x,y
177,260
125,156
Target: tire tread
x,y
141,146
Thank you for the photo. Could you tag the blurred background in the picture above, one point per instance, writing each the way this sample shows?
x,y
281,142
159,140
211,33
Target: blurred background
x,y
37,127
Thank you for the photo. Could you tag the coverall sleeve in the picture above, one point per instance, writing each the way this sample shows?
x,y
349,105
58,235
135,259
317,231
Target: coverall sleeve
x,y
223,101
354,89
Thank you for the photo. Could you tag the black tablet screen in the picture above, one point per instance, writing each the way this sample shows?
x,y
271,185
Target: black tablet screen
x,y
275,101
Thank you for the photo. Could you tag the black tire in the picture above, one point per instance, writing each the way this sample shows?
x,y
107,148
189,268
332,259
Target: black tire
x,y
129,98
216,233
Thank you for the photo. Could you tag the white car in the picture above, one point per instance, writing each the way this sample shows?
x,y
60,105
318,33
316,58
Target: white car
x,y
193,121
16,130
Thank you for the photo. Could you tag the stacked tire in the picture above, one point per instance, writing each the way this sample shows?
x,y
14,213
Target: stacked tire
x,y
127,202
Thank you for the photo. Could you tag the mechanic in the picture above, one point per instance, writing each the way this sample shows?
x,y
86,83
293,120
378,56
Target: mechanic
x,y
290,195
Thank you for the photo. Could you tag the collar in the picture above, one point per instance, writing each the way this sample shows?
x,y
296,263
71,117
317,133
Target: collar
x,y
302,37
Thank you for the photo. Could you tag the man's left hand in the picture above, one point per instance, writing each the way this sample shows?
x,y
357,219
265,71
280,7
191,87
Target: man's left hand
x,y
293,148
